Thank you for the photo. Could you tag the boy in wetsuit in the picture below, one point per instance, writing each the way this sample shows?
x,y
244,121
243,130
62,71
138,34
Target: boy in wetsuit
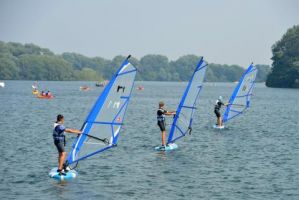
x,y
161,113
59,141
217,108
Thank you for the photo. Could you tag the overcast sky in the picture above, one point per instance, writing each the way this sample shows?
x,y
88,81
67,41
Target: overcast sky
x,y
223,31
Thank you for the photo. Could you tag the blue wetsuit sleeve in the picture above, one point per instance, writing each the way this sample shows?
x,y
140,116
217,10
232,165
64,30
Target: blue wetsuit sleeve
x,y
61,128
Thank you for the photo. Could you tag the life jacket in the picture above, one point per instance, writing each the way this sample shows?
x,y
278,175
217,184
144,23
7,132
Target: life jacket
x,y
58,133
218,105
162,116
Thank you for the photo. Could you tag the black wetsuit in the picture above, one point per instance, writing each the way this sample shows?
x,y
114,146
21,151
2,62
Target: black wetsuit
x,y
218,107
161,118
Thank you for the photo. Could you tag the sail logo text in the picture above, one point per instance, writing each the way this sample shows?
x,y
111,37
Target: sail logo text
x,y
115,104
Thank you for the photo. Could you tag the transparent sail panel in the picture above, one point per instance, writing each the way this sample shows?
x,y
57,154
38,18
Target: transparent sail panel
x,y
182,122
240,99
103,124
117,98
92,143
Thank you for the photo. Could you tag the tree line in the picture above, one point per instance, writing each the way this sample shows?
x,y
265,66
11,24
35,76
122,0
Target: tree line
x,y
31,62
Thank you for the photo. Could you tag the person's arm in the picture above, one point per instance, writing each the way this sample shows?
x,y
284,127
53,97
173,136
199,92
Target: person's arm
x,y
170,113
68,130
224,104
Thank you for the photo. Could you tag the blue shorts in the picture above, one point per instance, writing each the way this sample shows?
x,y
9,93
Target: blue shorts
x,y
59,145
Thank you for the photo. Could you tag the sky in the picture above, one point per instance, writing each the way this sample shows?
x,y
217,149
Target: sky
x,y
223,31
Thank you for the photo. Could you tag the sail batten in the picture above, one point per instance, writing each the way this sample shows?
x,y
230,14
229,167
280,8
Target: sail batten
x,y
101,128
190,107
112,123
183,119
240,99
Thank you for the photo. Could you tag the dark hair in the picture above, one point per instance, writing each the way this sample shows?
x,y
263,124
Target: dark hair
x,y
59,117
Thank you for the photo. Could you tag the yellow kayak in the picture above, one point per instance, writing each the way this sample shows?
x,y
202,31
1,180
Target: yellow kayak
x,y
35,92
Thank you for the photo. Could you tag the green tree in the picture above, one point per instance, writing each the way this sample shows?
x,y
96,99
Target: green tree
x,y
183,67
101,65
8,69
87,74
109,70
35,67
285,66
154,67
79,61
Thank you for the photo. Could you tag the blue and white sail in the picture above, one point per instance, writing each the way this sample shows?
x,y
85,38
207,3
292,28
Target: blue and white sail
x,y
182,122
240,99
103,124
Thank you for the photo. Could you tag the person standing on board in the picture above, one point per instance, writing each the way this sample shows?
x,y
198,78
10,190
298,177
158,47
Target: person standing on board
x,y
161,113
59,141
217,108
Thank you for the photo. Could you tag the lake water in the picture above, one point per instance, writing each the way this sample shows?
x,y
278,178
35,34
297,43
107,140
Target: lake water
x,y
256,157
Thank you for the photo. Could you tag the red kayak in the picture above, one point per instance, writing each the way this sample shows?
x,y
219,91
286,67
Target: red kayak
x,y
44,97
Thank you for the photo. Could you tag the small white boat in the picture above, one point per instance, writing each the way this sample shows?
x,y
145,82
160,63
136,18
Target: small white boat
x,y
2,84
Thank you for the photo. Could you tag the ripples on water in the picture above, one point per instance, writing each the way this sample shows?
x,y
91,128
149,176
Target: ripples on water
x,y
256,157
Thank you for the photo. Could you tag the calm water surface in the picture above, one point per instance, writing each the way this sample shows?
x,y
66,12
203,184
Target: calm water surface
x,y
256,157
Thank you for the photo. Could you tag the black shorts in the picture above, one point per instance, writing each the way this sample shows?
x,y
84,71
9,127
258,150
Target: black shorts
x,y
217,113
59,145
161,125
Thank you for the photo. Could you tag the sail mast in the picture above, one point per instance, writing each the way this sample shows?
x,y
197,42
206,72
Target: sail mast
x,y
182,121
102,125
240,98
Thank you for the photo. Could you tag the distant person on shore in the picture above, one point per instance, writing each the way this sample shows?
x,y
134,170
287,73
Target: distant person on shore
x,y
217,109
59,141
161,113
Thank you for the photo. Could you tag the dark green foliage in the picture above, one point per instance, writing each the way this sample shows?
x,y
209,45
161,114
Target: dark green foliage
x,y
182,68
87,74
35,67
30,62
154,67
285,66
224,73
8,69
